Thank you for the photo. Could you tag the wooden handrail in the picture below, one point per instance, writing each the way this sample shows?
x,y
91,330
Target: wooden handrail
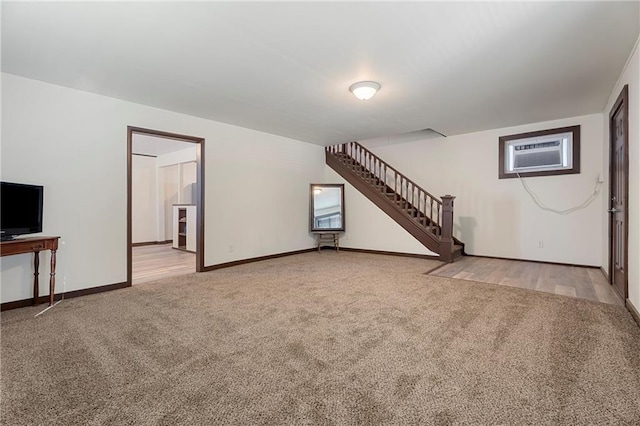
x,y
387,165
412,196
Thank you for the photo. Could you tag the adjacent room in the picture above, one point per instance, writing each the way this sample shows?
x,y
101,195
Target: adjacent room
x,y
320,213
163,208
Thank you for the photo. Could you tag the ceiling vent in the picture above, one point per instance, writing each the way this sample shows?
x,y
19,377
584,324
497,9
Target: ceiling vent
x,y
398,138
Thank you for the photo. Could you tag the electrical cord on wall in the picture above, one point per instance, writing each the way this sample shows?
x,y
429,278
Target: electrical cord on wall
x,y
534,197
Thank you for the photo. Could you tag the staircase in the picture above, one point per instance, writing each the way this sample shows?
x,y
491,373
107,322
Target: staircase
x,y
427,218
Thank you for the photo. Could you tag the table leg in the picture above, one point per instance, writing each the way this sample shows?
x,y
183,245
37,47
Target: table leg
x,y
36,272
52,279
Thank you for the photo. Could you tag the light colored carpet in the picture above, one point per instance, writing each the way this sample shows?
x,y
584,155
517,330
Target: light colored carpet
x,y
330,338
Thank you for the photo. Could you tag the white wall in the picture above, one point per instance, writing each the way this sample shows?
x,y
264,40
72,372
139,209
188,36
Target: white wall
x,y
74,143
188,179
497,217
630,76
170,189
144,208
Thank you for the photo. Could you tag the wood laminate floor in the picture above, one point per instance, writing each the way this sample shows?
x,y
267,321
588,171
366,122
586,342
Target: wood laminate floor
x,y
159,261
573,281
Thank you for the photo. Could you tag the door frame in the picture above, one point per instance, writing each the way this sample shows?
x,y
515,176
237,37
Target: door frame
x,y
621,102
131,130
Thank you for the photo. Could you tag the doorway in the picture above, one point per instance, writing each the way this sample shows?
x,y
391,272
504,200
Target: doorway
x,y
189,189
619,194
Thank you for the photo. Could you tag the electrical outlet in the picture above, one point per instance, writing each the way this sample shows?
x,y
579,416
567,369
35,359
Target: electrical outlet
x,y
600,179
540,244
230,248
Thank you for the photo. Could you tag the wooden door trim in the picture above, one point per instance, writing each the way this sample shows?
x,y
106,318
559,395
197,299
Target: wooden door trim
x,y
131,130
621,102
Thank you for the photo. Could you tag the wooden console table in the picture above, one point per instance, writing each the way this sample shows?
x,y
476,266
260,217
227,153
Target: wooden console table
x,y
34,245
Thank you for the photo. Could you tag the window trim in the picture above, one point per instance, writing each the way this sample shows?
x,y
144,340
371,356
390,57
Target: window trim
x,y
575,155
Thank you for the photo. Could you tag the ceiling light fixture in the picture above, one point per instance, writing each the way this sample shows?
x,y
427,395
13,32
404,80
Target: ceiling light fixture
x,y
364,90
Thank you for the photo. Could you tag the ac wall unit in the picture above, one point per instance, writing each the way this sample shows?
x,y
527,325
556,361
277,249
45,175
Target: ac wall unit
x,y
536,155
539,154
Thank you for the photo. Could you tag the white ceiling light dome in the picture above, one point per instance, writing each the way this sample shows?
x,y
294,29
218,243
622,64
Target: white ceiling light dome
x,y
364,90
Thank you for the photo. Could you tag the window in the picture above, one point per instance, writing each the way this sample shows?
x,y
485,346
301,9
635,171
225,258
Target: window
x,y
542,153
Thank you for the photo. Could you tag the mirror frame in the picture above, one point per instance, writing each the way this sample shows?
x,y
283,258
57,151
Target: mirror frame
x,y
312,187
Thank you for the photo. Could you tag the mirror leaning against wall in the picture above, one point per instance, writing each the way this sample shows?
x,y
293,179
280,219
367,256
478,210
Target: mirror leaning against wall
x,y
326,209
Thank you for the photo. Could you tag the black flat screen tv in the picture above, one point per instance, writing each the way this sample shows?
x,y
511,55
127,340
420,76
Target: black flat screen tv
x,y
21,209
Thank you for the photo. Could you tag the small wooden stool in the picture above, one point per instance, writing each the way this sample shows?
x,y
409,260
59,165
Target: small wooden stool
x,y
330,238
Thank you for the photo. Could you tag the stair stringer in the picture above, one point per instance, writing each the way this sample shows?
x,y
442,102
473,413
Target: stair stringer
x,y
370,228
425,237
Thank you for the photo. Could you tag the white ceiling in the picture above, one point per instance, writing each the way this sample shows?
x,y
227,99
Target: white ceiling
x,y
285,68
154,145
